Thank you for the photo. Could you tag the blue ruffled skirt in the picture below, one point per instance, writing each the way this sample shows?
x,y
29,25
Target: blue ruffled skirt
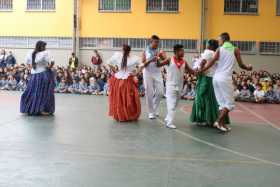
x,y
39,94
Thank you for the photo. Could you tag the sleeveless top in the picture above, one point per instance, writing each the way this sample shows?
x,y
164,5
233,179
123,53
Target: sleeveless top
x,y
152,67
226,62
175,75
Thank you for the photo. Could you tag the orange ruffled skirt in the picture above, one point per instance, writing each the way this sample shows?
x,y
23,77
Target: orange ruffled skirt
x,y
124,100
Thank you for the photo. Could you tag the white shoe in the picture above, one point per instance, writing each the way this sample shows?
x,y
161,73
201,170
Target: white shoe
x,y
152,116
221,128
171,126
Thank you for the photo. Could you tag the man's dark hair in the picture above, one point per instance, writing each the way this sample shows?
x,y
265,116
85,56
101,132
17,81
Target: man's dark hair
x,y
225,36
155,37
177,47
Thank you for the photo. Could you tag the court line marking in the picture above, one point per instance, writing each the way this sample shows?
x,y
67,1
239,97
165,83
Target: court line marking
x,y
260,117
148,157
221,147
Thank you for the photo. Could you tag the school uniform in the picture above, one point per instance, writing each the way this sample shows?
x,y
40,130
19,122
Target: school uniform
x,y
21,86
174,85
74,88
153,83
93,88
83,88
61,88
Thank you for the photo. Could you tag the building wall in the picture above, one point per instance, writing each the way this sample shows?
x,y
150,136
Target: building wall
x,y
139,24
20,22
265,26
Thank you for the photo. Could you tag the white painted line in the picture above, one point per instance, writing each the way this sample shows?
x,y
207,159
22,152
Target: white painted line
x,y
260,117
222,148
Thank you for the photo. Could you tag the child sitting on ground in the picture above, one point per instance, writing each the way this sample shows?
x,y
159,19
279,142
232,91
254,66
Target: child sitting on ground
x,y
245,94
270,96
83,87
62,87
191,94
236,93
277,92
93,87
21,86
11,84
74,88
259,94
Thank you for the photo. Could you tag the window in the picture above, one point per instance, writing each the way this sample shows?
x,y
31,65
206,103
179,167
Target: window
x,y
29,42
278,8
40,4
246,47
6,5
272,48
241,6
162,5
135,43
114,5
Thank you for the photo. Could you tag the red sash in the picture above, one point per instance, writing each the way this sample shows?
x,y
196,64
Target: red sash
x,y
178,63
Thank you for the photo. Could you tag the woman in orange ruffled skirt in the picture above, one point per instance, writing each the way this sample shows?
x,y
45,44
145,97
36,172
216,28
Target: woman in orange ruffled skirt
x,y
124,100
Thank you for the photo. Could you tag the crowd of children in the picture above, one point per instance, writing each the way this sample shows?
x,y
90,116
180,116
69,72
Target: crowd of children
x,y
260,87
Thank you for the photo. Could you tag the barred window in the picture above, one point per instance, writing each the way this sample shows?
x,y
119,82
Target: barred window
x,y
272,48
114,5
40,4
246,47
162,5
278,8
241,6
29,42
135,43
6,5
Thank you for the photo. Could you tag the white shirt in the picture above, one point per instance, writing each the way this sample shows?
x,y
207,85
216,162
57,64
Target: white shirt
x,y
225,64
42,61
116,60
152,68
208,55
259,93
175,76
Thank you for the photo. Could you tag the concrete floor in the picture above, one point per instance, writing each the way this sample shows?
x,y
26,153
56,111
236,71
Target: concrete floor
x,y
81,147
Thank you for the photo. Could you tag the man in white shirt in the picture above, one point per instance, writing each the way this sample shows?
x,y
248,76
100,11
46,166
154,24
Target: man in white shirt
x,y
225,57
152,77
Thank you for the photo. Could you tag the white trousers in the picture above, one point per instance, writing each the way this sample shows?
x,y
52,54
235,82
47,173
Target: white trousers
x,y
224,92
153,91
172,100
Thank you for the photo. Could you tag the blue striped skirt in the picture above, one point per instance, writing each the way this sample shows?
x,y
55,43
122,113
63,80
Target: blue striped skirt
x,y
39,94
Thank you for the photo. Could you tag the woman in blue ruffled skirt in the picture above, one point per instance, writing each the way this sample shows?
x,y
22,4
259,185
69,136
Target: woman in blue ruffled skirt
x,y
38,98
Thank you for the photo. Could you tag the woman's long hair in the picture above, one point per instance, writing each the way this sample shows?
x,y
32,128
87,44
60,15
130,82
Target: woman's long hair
x,y
126,51
40,46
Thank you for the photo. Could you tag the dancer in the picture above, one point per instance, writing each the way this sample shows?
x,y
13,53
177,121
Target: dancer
x,y
205,110
124,100
38,98
176,67
226,56
152,77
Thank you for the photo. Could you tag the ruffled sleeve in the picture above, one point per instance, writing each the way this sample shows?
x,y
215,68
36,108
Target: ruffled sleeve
x,y
115,59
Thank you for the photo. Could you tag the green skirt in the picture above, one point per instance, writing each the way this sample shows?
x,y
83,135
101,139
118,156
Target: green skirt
x,y
205,107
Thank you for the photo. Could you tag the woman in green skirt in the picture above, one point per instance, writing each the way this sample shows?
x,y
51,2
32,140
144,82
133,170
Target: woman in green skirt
x,y
205,110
